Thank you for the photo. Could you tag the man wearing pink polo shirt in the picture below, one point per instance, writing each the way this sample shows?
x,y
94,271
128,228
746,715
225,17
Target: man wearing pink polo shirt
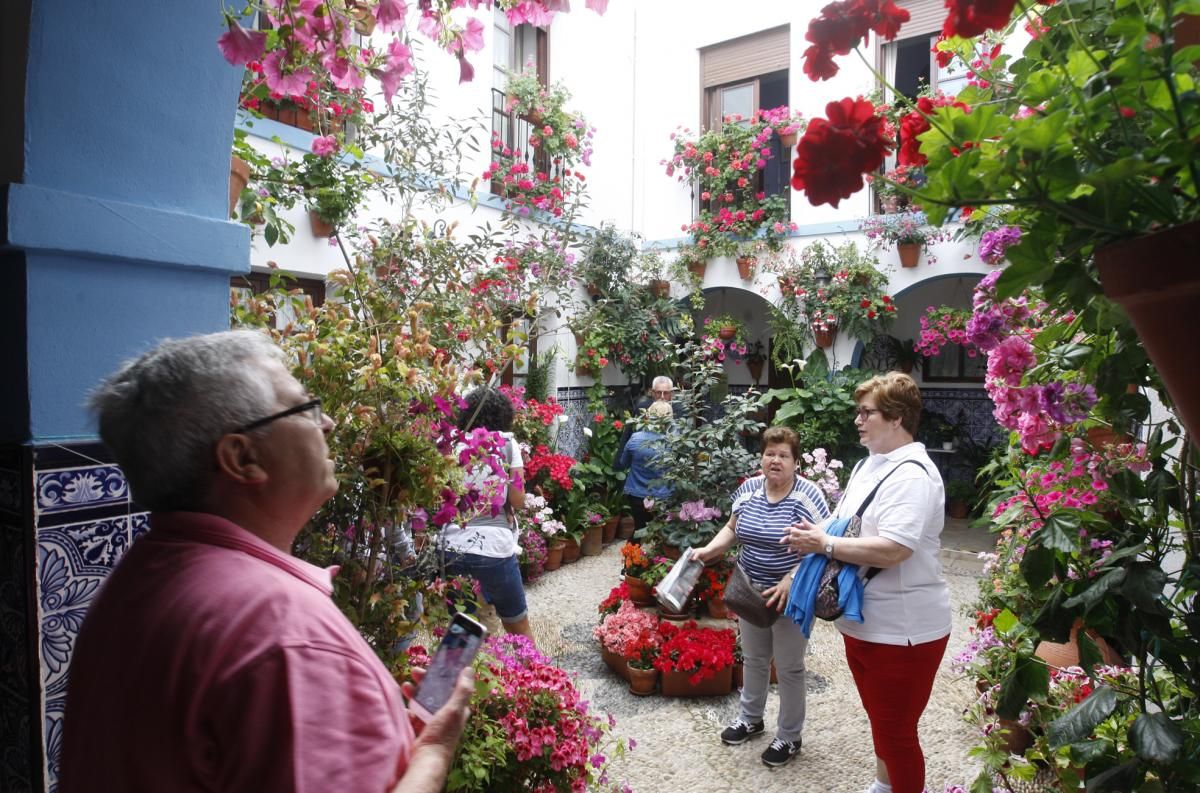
x,y
212,659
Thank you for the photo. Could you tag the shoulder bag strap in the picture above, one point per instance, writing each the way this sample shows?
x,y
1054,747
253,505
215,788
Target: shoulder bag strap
x,y
874,571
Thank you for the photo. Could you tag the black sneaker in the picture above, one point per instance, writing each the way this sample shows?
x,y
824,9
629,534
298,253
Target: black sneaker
x,y
780,752
740,731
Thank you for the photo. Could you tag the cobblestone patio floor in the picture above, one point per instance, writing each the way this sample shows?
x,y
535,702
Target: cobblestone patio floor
x,y
677,746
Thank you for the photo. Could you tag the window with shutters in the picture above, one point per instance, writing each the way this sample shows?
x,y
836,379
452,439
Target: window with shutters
x,y
746,74
514,49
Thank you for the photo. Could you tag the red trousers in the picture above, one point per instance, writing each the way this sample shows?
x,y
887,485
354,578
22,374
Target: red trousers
x,y
894,683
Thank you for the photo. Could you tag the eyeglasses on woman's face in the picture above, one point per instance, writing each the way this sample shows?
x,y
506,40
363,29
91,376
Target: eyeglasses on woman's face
x,y
312,407
863,414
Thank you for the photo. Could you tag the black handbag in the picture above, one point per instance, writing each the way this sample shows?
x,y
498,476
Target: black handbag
x,y
744,599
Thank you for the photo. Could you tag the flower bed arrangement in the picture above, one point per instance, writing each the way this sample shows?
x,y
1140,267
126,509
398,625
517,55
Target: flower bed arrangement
x,y
529,729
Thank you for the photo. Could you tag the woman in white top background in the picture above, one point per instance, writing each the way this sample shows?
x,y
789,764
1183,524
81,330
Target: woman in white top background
x,y
895,652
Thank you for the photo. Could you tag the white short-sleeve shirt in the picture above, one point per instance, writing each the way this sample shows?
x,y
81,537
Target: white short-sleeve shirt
x,y
486,534
910,602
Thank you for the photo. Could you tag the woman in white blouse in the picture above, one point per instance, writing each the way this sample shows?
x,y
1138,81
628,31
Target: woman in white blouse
x,y
895,651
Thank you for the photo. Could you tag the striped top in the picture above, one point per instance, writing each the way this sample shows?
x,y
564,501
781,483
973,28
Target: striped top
x,y
761,525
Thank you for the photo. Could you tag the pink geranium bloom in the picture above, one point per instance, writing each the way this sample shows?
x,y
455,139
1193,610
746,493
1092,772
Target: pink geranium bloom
x,y
599,6
324,145
390,15
240,46
284,84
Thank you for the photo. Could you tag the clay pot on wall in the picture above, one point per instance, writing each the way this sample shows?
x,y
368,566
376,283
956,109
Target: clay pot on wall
x,y
320,227
823,338
660,288
745,265
910,253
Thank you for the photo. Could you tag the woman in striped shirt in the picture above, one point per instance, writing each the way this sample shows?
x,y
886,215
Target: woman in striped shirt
x,y
765,507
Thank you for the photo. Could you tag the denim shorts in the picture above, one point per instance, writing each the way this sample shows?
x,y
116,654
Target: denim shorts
x,y
500,580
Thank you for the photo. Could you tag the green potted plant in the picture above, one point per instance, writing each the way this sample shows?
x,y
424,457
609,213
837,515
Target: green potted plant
x,y
907,232
726,327
960,494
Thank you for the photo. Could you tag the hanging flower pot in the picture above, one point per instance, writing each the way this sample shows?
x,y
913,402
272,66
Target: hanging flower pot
x,y
756,369
239,177
319,225
554,555
660,288
727,333
910,253
642,682
789,139
745,265
593,291
698,268
1155,279
823,337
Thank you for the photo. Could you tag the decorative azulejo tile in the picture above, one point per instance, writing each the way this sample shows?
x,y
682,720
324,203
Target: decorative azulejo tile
x,y
72,562
80,488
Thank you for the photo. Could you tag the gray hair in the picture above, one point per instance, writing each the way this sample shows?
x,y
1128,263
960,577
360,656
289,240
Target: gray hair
x,y
662,381
161,412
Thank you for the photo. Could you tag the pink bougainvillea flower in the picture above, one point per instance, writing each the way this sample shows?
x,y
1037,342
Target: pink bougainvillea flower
x,y
285,84
324,145
344,74
531,12
472,37
430,26
599,6
390,15
399,64
240,46
466,72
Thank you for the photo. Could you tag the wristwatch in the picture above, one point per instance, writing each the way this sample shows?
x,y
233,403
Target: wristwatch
x,y
829,547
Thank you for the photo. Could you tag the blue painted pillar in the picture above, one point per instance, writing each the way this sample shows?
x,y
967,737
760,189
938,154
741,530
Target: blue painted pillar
x,y
113,199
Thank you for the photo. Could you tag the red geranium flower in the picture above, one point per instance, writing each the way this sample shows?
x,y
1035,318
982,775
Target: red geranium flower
x,y
835,152
970,18
840,28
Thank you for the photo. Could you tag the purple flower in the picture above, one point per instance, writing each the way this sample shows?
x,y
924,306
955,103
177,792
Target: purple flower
x,y
993,244
986,329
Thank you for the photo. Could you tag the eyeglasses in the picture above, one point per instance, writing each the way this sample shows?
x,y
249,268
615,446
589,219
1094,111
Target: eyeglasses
x,y
662,392
313,404
865,413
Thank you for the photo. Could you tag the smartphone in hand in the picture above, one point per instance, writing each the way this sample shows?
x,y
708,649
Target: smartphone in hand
x,y
462,641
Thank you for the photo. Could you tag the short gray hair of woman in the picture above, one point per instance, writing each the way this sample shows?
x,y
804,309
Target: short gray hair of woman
x,y
161,413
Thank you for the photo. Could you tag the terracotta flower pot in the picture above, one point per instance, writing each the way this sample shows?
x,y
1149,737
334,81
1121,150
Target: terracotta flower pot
x,y
593,291
745,265
1067,654
626,526
675,616
910,253
239,177
609,530
727,333
660,288
642,681
697,269
1018,738
641,593
615,662
593,540
554,555
570,550
1156,281
823,338
672,552
789,139
676,684
756,370
716,608
957,508
319,225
